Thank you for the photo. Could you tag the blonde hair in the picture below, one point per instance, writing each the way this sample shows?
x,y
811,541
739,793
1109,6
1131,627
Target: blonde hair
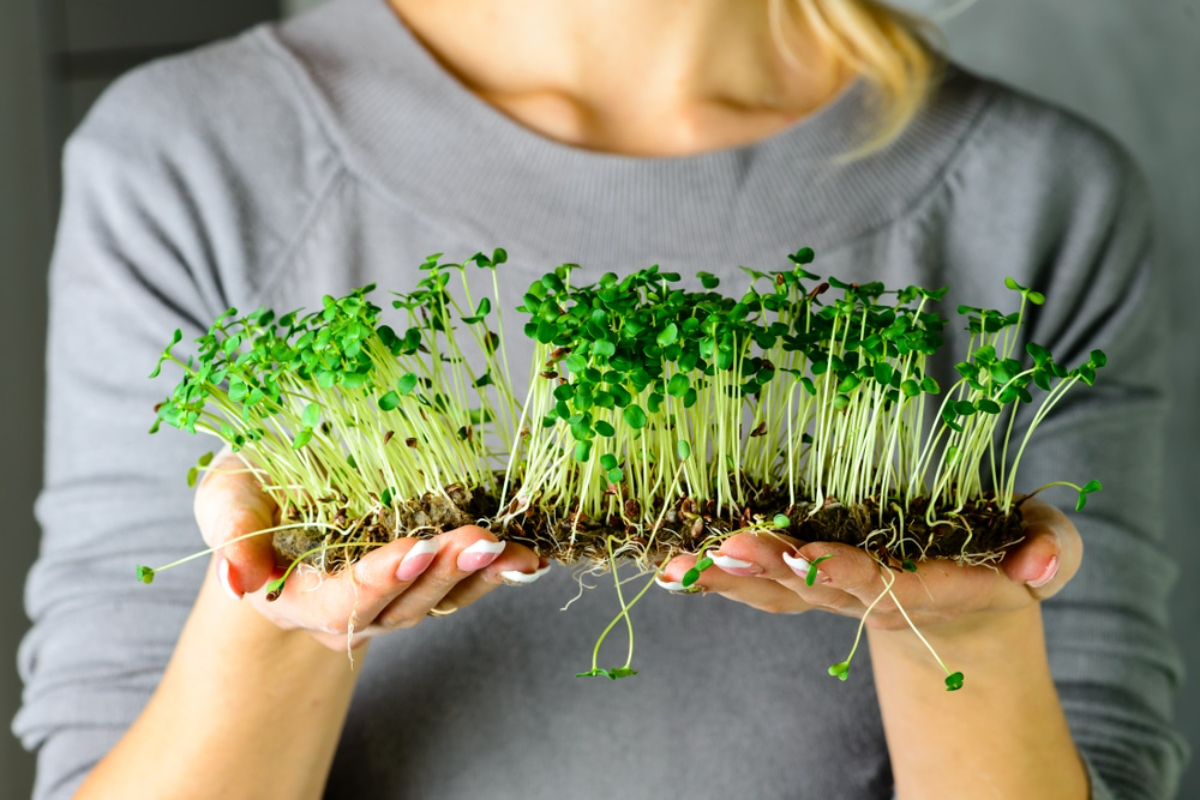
x,y
899,53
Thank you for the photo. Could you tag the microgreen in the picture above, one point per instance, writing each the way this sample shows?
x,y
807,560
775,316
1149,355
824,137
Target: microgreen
x,y
644,396
305,398
811,577
692,575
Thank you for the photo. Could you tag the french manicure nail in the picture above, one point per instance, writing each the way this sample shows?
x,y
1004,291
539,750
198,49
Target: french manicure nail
x,y
735,566
675,587
479,555
523,578
1047,574
417,560
224,575
798,564
670,586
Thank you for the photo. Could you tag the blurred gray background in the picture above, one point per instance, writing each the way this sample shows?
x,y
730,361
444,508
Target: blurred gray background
x,y
1131,65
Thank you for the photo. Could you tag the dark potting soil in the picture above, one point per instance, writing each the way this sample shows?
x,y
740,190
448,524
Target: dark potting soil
x,y
979,533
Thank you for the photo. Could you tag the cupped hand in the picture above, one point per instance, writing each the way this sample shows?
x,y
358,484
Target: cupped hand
x,y
394,586
768,572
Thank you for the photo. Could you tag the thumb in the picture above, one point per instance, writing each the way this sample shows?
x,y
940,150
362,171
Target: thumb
x,y
1050,555
229,504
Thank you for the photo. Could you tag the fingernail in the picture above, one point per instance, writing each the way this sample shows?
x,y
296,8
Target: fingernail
x,y
670,586
735,566
224,575
417,560
675,587
517,578
798,564
1047,574
479,555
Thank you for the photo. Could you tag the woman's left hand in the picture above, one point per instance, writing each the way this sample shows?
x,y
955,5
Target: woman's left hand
x,y
940,597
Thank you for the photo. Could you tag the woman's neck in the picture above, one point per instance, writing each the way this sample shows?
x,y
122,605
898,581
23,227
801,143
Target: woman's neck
x,y
641,77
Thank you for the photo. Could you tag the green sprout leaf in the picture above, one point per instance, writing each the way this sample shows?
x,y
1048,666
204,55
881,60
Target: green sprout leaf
x,y
782,521
811,577
683,449
389,401
635,417
708,280
598,672
954,682
615,475
1092,486
145,574
192,476
406,384
311,416
302,438
840,670
608,461
668,335
678,385
603,428
205,460
693,574
804,255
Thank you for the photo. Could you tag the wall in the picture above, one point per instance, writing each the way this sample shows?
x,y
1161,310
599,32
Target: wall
x,y
25,212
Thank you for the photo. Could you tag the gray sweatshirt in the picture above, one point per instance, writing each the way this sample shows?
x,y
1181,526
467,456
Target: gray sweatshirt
x,y
332,151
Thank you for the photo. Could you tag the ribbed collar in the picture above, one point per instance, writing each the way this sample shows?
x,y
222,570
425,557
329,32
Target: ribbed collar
x,y
403,123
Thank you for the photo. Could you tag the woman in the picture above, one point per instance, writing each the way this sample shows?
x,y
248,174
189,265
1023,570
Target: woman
x,y
342,147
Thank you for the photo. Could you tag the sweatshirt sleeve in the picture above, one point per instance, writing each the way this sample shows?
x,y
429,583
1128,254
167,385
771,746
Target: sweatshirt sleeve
x,y
157,227
1111,652
1088,247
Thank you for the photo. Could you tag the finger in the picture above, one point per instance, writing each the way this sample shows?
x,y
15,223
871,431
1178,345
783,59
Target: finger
x,y
748,589
517,565
842,567
1051,553
230,503
350,599
464,552
778,558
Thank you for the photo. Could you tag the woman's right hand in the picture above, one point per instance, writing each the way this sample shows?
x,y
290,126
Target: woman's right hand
x,y
394,586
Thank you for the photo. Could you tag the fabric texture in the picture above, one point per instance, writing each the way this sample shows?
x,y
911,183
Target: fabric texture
x,y
332,151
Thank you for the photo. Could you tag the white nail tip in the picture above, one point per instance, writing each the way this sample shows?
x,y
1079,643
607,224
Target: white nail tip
x,y
223,577
728,562
670,586
797,563
485,546
513,576
424,547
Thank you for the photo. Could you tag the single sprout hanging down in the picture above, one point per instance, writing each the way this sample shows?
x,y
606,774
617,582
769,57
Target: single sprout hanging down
x,y
657,419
